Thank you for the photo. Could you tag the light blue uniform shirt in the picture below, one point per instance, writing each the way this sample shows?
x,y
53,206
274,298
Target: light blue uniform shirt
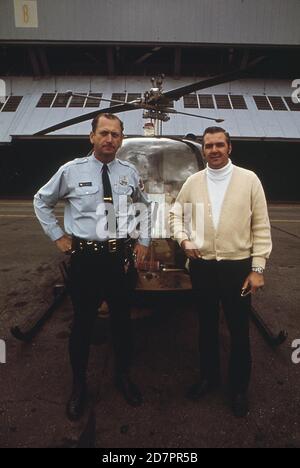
x,y
79,184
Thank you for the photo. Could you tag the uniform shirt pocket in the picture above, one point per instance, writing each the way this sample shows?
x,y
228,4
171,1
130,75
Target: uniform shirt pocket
x,y
87,198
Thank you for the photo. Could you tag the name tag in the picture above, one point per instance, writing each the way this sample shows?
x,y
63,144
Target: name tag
x,y
85,184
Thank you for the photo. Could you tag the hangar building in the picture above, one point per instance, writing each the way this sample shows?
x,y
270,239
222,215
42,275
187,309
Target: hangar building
x,y
111,48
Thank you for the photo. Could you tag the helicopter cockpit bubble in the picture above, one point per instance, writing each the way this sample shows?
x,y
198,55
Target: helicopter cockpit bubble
x,y
164,165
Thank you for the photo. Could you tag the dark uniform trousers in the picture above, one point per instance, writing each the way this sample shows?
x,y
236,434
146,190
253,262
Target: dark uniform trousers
x,y
221,281
94,278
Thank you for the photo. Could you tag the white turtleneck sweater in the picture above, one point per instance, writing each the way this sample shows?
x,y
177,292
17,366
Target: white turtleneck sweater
x,y
244,228
217,182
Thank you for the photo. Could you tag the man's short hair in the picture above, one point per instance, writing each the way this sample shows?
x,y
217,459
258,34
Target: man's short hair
x,y
107,116
216,130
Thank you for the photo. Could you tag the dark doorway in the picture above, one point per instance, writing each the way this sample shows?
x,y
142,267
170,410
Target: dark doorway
x,y
26,165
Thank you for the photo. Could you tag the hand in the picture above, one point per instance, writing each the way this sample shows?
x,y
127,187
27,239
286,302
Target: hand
x,y
140,253
254,281
190,250
64,244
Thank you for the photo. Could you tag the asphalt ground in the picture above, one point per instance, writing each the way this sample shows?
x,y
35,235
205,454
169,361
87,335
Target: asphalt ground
x,y
35,381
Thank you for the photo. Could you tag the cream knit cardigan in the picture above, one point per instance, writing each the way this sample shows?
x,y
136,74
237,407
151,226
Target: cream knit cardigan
x,y
244,227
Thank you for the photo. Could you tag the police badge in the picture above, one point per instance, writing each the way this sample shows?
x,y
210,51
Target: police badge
x,y
123,180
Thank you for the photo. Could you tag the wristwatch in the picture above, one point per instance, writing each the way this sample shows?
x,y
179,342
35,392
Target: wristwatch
x,y
258,270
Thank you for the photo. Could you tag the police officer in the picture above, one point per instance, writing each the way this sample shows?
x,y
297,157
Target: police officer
x,y
97,257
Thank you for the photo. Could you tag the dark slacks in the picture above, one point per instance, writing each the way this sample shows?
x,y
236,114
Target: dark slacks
x,y
93,279
221,282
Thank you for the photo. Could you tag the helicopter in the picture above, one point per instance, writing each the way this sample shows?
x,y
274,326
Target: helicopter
x,y
164,165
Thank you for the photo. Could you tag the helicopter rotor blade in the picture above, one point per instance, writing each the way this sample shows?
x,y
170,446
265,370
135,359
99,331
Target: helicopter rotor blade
x,y
82,118
173,111
98,98
176,94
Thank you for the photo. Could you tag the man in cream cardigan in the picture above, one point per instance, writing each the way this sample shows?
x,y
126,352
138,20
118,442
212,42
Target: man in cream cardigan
x,y
227,260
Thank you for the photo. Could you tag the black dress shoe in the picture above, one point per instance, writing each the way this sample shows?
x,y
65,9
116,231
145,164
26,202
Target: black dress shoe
x,y
75,405
129,390
200,388
240,405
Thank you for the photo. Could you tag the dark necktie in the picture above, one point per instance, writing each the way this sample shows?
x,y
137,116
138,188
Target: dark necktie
x,y
108,198
107,191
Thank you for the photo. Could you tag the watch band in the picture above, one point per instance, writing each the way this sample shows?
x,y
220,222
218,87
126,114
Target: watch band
x,y
258,270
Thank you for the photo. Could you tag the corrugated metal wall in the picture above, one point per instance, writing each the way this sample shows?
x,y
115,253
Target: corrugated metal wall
x,y
273,22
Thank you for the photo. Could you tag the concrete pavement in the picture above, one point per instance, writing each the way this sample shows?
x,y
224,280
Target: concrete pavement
x,y
36,379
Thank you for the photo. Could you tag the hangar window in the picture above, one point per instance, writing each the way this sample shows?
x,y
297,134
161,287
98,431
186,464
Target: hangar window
x,y
262,103
238,102
190,101
292,105
117,97
90,102
46,100
277,103
222,101
61,100
77,101
133,97
2,103
206,101
12,104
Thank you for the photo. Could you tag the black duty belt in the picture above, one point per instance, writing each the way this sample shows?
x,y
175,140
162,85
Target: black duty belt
x,y
110,246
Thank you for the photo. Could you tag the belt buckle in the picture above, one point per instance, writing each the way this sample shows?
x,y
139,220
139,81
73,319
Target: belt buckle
x,y
112,246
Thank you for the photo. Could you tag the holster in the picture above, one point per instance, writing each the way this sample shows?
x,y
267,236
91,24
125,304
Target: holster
x,y
130,268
